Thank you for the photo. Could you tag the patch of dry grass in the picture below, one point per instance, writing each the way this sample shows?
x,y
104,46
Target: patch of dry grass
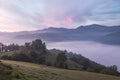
x,y
41,72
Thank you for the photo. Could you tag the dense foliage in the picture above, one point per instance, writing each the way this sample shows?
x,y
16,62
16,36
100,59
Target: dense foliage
x,y
61,60
32,52
37,52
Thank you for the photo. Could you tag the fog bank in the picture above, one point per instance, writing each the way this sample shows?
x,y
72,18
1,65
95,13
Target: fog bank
x,y
101,53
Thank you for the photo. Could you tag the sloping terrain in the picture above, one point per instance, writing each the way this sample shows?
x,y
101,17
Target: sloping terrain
x,y
98,33
112,38
93,32
36,52
7,72
41,72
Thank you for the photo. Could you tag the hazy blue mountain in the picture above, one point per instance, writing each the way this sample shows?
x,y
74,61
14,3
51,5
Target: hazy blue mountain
x,y
99,33
112,38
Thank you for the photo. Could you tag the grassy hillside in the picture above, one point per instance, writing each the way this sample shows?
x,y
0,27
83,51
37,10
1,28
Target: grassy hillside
x,y
9,73
36,52
40,72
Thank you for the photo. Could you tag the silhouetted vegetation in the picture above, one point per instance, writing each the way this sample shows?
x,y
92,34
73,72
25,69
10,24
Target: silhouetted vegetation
x,y
95,67
112,70
61,60
36,52
31,52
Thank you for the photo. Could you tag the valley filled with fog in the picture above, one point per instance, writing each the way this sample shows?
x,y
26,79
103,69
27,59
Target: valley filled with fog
x,y
101,53
96,42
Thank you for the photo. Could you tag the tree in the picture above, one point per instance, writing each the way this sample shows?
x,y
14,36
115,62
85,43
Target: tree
x,y
13,47
38,46
61,60
112,70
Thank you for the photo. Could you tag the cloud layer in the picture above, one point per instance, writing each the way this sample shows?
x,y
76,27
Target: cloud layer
x,y
17,15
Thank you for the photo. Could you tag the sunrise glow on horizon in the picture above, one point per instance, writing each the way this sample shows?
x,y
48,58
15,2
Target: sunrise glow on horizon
x,y
24,15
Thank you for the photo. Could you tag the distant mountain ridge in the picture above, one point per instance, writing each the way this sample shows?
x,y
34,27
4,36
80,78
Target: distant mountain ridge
x,y
94,32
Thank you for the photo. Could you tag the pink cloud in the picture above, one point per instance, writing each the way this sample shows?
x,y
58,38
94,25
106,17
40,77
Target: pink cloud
x,y
54,22
68,20
50,22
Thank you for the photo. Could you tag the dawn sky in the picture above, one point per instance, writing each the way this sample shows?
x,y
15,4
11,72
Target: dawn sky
x,y
20,15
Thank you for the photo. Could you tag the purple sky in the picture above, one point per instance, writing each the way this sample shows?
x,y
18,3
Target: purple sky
x,y
19,15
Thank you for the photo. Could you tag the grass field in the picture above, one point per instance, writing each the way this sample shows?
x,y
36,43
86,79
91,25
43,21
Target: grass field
x,y
40,72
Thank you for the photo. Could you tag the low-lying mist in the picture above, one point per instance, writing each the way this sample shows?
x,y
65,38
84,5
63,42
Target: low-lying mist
x,y
101,53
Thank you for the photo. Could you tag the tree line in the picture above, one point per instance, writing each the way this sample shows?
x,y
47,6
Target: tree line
x,y
37,52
